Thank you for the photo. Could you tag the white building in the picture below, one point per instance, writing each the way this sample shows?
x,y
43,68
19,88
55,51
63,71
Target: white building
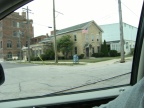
x,y
112,36
115,45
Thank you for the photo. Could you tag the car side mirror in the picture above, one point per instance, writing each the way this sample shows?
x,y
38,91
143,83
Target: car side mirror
x,y
2,75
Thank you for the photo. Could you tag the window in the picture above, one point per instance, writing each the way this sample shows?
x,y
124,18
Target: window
x,y
87,38
75,38
75,50
9,44
98,49
15,33
22,25
9,55
93,50
1,45
18,25
97,68
14,24
92,37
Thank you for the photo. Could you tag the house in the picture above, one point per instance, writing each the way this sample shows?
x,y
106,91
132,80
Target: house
x,y
87,38
38,46
115,45
13,35
112,36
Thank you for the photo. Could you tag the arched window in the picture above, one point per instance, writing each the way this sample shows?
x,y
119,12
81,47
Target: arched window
x,y
9,55
9,44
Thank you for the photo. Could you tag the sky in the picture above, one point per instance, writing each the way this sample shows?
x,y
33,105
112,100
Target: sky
x,y
73,12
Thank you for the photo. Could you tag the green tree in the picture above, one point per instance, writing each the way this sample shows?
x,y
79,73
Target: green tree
x,y
104,49
65,45
48,54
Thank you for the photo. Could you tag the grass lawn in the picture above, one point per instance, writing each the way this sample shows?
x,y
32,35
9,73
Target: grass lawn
x,y
70,62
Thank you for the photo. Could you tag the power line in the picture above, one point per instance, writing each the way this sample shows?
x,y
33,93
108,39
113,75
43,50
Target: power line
x,y
130,9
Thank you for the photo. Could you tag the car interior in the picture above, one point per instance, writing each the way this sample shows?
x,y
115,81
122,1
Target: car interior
x,y
79,99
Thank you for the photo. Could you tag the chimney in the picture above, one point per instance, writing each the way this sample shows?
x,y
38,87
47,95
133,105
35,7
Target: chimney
x,y
52,32
24,14
47,35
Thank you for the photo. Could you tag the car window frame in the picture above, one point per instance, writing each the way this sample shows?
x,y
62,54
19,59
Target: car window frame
x,y
133,80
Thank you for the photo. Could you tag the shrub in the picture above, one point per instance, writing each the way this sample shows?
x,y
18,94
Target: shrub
x,y
118,54
113,53
100,54
70,57
132,51
35,58
44,57
81,56
61,58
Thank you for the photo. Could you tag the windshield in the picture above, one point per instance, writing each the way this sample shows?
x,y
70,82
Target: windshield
x,y
74,46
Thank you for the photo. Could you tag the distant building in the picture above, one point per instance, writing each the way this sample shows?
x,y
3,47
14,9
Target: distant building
x,y
112,36
14,34
38,46
112,32
87,38
115,45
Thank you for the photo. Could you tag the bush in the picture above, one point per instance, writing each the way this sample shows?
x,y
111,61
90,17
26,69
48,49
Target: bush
x,y
118,54
44,57
81,56
132,51
70,57
61,58
100,54
35,59
113,53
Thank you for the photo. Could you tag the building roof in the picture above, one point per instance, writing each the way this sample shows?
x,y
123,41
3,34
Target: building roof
x,y
117,41
76,27
45,40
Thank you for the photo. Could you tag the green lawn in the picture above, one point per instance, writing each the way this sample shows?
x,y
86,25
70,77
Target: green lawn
x,y
83,61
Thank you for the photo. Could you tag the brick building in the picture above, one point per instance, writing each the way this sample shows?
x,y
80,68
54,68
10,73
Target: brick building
x,y
14,33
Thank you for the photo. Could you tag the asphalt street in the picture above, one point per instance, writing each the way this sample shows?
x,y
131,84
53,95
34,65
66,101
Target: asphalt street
x,y
29,80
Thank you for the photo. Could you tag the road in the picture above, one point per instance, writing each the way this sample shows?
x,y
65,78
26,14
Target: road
x,y
28,80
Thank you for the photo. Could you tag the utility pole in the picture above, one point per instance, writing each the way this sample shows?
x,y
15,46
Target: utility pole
x,y
54,25
19,34
27,11
121,32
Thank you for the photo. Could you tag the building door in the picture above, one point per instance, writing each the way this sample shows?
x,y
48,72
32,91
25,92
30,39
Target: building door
x,y
87,52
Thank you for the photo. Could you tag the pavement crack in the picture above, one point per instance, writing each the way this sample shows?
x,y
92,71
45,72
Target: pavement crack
x,y
20,87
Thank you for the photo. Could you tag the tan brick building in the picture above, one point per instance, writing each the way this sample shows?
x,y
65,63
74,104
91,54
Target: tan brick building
x,y
87,38
14,34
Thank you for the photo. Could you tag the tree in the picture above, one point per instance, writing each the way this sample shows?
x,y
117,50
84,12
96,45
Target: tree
x,y
104,49
65,45
48,54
